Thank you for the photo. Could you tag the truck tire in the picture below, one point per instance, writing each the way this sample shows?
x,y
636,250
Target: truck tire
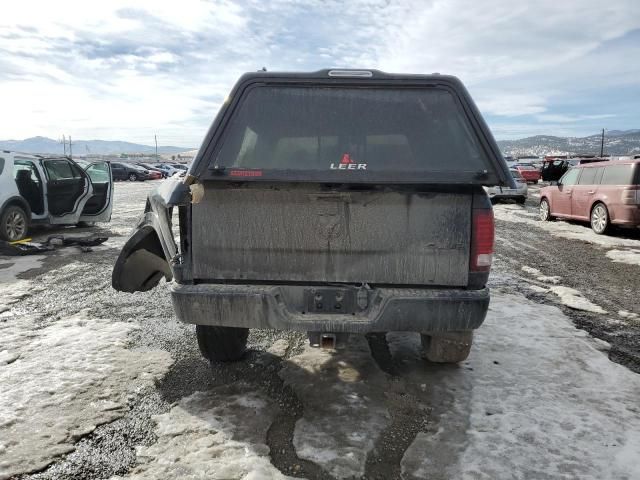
x,y
14,223
447,347
222,344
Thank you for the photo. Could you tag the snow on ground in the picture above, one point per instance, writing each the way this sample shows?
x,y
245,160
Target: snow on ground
x,y
344,407
629,315
549,279
10,267
61,381
218,434
572,298
540,277
12,293
531,270
536,399
537,289
632,257
518,214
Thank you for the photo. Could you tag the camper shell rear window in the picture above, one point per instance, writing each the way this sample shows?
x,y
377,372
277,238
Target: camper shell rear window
x,y
352,134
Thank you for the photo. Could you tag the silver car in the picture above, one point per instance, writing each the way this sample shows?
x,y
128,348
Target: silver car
x,y
519,194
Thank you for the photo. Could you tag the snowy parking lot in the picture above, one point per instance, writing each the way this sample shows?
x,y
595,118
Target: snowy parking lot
x,y
96,383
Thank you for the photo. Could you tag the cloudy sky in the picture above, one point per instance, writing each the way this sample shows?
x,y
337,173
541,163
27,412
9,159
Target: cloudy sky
x,y
125,70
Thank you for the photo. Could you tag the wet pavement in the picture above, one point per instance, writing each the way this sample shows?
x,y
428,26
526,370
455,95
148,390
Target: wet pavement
x,y
550,389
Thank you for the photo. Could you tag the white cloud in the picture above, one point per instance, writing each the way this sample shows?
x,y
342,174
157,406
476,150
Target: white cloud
x,y
510,104
562,118
131,69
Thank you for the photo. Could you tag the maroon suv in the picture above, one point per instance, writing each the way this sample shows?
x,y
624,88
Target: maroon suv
x,y
603,193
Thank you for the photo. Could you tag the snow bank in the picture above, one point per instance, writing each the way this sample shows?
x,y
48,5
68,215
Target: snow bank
x,y
344,406
632,257
59,382
536,399
218,434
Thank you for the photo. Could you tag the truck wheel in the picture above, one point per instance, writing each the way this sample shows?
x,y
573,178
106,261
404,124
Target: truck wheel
x,y
447,347
14,224
521,200
222,344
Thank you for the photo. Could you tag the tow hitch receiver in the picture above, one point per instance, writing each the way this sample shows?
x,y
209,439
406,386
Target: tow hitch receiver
x,y
327,341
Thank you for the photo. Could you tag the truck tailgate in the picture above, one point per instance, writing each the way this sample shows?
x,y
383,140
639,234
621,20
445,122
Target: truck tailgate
x,y
301,233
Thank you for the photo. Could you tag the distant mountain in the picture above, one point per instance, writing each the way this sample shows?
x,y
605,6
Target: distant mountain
x,y
50,146
616,142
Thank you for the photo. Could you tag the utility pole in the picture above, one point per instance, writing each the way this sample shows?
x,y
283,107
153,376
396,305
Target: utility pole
x,y
64,145
70,150
156,139
602,144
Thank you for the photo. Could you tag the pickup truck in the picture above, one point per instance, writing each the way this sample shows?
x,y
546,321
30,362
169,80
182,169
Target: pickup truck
x,y
335,202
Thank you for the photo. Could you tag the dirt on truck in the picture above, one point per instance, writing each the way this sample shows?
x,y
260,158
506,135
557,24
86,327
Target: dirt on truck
x,y
335,202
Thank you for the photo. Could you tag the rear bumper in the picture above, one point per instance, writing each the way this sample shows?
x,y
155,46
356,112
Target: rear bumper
x,y
626,215
281,307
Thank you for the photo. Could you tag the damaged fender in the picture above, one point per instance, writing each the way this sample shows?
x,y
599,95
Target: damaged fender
x,y
149,252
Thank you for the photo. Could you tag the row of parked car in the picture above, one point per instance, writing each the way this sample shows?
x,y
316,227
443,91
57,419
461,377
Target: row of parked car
x,y
603,193
145,171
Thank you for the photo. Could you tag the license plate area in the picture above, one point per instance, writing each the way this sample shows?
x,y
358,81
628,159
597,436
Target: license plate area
x,y
330,300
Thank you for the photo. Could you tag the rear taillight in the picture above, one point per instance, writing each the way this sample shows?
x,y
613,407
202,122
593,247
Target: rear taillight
x,y
482,236
631,195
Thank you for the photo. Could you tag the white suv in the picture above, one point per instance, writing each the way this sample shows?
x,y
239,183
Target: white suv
x,y
35,189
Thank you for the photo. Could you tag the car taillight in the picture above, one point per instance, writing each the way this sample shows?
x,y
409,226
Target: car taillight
x,y
631,195
482,236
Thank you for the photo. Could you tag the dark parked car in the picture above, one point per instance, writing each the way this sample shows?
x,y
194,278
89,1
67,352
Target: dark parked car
x,y
332,202
129,171
151,168
554,168
603,193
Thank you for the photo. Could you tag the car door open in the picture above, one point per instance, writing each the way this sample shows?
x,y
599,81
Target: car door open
x,y
68,189
99,205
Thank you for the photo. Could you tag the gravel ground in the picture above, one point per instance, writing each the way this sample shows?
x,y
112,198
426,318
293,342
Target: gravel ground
x,y
414,399
579,265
